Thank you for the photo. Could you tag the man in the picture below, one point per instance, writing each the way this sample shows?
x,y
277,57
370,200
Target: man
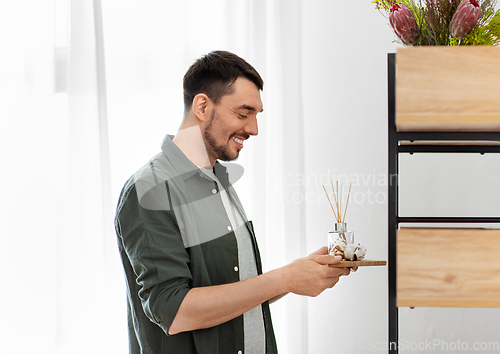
x,y
194,276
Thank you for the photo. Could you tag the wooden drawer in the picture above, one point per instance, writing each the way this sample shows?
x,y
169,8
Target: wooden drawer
x,y
448,89
438,267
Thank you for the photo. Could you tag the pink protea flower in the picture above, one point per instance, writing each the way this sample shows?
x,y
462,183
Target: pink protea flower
x,y
465,18
403,23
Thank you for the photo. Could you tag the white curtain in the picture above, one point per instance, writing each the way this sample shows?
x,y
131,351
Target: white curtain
x,y
88,93
61,284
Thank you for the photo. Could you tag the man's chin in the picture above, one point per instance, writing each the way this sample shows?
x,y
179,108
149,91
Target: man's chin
x,y
229,159
232,157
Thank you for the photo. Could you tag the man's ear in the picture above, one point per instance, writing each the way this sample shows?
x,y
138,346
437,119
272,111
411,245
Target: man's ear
x,y
200,108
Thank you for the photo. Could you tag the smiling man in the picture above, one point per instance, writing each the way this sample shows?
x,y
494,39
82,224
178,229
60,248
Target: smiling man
x,y
191,260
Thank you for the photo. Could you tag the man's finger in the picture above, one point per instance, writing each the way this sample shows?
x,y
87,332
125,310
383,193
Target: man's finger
x,y
322,251
346,272
326,259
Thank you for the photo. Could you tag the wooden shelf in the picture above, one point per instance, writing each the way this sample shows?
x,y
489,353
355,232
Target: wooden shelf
x,y
448,89
448,267
450,142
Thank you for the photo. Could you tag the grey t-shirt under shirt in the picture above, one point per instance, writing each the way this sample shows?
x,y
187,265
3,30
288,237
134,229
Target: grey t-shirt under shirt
x,y
255,341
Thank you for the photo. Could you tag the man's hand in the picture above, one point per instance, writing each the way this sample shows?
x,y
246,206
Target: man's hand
x,y
311,276
324,250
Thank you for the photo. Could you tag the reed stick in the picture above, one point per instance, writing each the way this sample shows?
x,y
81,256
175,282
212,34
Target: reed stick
x,y
337,195
347,203
336,199
336,217
340,200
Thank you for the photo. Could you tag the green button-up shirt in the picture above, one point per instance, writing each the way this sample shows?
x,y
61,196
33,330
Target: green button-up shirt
x,y
173,235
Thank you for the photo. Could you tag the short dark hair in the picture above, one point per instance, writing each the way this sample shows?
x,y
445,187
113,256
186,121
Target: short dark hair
x,y
214,73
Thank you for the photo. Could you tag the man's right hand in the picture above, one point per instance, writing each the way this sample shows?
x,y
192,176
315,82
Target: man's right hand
x,y
310,275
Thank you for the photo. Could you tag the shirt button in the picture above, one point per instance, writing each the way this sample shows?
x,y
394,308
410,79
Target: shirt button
x,y
240,352
214,191
229,228
235,268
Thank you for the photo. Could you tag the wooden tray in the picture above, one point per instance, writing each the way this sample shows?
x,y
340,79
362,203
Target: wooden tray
x,y
363,263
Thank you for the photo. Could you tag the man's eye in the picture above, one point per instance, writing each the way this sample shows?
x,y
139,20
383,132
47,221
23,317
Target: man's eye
x,y
242,115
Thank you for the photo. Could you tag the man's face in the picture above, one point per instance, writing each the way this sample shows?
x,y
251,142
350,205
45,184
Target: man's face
x,y
233,121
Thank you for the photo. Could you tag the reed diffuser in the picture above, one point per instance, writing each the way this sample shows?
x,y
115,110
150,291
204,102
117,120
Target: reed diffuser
x,y
340,237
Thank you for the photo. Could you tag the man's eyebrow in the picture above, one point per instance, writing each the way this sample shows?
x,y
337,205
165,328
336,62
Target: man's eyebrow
x,y
250,108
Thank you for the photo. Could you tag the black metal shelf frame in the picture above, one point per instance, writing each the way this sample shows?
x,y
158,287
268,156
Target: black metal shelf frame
x,y
394,139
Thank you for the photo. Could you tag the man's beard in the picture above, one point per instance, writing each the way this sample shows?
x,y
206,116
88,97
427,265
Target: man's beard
x,y
222,151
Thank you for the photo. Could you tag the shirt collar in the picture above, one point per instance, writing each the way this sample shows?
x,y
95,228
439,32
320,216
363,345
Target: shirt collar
x,y
184,166
181,164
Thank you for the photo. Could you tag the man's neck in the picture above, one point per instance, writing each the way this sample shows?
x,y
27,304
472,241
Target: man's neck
x,y
190,141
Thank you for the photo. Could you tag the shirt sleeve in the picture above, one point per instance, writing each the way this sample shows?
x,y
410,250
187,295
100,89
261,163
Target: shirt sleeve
x,y
153,244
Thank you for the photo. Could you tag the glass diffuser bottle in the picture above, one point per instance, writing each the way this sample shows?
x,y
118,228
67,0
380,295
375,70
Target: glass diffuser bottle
x,y
339,234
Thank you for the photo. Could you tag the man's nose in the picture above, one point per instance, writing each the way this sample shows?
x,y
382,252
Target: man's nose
x,y
252,127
